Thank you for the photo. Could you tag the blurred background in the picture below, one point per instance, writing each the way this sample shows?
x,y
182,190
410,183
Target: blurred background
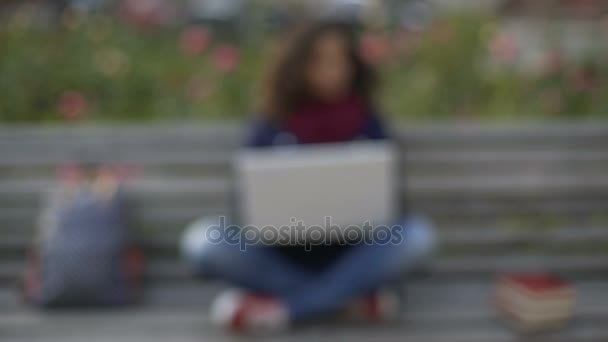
x,y
507,150
100,60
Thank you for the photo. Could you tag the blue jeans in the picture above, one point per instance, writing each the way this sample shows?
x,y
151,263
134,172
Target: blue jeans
x,y
361,269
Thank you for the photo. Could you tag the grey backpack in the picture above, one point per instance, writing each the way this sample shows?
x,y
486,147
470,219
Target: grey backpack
x,y
84,253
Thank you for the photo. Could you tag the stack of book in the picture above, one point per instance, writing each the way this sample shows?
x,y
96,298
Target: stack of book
x,y
533,302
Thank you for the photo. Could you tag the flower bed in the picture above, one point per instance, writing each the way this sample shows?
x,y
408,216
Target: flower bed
x,y
97,68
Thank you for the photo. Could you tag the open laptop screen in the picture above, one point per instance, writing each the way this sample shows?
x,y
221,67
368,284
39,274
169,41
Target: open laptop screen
x,y
348,184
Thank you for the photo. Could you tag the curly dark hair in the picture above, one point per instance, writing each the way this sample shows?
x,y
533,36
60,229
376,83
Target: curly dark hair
x,y
285,86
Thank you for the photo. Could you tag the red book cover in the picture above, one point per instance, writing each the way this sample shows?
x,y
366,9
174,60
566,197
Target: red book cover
x,y
532,301
538,282
538,286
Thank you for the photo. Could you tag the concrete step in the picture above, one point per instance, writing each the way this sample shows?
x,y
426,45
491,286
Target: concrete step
x,y
459,267
483,239
433,311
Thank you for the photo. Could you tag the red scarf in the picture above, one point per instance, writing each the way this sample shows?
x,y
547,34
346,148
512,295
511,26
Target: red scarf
x,y
322,122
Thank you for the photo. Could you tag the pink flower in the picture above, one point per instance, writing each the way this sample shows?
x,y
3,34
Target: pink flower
x,y
194,40
144,14
375,48
226,58
503,48
73,105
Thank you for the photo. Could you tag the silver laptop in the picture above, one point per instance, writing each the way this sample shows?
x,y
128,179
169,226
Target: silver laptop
x,y
345,185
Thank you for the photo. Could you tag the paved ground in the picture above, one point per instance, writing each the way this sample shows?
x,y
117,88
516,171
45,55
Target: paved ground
x,y
435,311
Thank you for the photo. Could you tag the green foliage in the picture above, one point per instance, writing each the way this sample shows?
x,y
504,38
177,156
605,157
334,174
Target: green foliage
x,y
97,68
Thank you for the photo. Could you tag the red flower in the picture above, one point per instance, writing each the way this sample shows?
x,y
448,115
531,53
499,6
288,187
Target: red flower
x,y
503,48
226,58
194,40
375,48
73,105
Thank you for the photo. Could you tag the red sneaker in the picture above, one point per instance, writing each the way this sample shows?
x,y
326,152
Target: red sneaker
x,y
247,313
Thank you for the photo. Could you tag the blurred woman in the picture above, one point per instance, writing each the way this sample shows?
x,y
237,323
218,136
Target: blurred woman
x,y
318,91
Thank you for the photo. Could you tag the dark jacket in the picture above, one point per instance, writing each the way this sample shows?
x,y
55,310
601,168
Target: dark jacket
x,y
263,133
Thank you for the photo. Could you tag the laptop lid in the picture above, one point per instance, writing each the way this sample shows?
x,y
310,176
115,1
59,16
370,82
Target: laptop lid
x,y
313,185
